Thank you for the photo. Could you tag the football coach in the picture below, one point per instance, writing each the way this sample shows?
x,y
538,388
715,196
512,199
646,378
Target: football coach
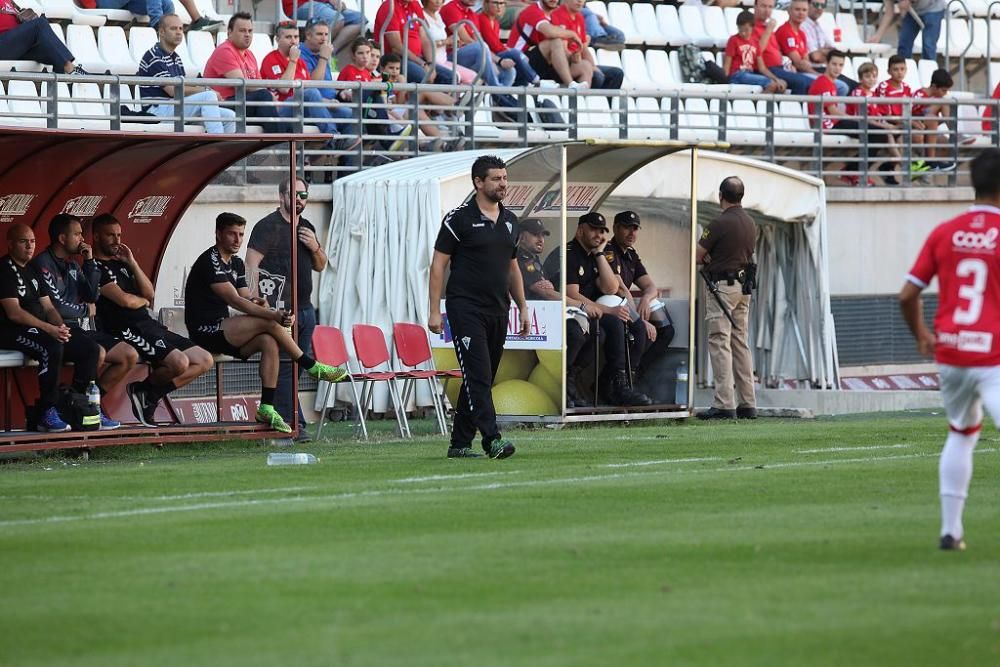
x,y
479,240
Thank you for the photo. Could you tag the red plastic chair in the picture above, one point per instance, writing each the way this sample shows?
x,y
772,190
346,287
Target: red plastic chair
x,y
329,347
372,353
413,350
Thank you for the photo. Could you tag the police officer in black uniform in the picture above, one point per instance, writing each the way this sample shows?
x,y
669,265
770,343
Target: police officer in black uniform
x,y
625,262
588,278
479,241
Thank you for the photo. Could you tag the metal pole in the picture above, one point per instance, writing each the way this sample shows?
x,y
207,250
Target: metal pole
x,y
293,231
692,267
562,269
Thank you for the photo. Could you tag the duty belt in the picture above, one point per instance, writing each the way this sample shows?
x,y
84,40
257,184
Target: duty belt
x,y
729,276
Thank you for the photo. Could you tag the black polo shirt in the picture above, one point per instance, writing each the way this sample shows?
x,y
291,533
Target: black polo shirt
x,y
581,269
625,262
23,284
480,251
531,271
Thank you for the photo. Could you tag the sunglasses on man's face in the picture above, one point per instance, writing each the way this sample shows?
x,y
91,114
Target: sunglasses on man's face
x,y
818,5
302,194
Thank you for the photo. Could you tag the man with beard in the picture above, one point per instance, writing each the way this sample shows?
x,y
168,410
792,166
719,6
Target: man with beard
x,y
258,329
122,311
627,265
30,324
588,278
479,241
74,290
269,267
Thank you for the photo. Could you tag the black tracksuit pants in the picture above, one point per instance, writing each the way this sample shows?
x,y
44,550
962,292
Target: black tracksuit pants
x,y
478,337
50,355
613,332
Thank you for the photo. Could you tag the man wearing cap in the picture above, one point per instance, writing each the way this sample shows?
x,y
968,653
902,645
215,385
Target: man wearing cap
x,y
530,245
626,264
588,278
726,249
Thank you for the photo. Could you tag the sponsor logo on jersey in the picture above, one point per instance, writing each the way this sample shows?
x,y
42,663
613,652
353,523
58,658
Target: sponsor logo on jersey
x,y
14,205
967,341
84,206
976,240
147,208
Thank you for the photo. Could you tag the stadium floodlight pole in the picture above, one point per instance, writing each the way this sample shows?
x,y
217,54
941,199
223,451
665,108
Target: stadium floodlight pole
x,y
293,220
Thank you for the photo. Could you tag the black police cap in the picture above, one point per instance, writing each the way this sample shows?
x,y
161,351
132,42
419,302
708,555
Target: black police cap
x,y
534,226
628,219
594,219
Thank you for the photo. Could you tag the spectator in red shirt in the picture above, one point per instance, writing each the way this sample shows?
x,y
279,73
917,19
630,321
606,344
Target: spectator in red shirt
x,y
987,125
884,130
770,51
285,64
547,45
360,58
570,16
925,120
233,59
33,40
420,66
513,67
835,117
792,41
743,63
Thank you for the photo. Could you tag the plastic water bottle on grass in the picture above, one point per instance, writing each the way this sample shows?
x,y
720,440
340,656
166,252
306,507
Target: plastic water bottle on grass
x,y
289,459
681,384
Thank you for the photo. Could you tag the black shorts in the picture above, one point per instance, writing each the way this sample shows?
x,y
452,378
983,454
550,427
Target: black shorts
x,y
211,337
541,65
102,338
152,340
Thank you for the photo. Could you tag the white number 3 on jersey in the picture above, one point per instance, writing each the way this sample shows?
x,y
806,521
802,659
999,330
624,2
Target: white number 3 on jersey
x,y
972,293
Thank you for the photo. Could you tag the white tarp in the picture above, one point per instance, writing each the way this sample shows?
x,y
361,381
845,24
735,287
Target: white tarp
x,y
385,220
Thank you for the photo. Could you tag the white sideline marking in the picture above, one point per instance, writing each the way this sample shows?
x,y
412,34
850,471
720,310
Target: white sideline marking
x,y
182,496
634,464
439,478
850,449
449,489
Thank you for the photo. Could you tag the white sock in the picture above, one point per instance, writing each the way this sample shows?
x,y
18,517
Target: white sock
x,y
955,471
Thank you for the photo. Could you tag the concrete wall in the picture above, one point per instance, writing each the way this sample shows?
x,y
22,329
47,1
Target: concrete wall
x,y
876,234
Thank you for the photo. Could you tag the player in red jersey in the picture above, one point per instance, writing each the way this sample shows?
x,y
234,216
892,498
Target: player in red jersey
x,y
964,254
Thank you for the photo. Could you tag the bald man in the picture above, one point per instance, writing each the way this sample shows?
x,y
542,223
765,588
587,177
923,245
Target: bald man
x,y
30,324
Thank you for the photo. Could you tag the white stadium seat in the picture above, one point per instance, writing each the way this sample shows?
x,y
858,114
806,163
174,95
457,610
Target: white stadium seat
x,y
595,119
731,13
620,16
82,44
200,48
700,121
140,40
851,36
912,78
635,69
89,101
114,51
28,110
691,24
953,43
644,17
715,25
744,125
260,46
660,70
670,25
66,10
645,119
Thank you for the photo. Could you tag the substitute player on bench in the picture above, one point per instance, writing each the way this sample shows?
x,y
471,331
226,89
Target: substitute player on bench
x,y
258,329
963,254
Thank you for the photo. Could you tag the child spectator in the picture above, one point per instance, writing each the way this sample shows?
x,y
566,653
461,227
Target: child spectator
x,y
925,119
988,114
868,73
894,87
835,118
743,63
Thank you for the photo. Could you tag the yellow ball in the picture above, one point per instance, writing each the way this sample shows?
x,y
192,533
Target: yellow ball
x,y
515,365
517,397
540,377
552,360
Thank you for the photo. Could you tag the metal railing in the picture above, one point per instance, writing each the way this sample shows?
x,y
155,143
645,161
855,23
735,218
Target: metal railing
x,y
947,39
771,127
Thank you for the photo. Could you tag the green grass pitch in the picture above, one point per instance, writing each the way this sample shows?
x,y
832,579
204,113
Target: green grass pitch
x,y
762,543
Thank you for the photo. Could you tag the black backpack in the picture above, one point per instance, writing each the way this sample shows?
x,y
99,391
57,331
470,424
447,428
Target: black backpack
x,y
77,411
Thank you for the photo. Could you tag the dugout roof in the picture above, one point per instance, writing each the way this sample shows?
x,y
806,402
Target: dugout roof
x,y
147,180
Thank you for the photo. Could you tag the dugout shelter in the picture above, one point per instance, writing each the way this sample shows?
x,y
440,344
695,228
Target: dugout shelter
x,y
385,221
147,180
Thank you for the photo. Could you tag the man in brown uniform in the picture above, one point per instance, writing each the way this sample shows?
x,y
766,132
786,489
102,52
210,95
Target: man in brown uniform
x,y
726,249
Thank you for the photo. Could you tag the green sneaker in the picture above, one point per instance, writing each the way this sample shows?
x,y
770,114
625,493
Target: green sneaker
x,y
919,167
266,414
327,373
501,449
